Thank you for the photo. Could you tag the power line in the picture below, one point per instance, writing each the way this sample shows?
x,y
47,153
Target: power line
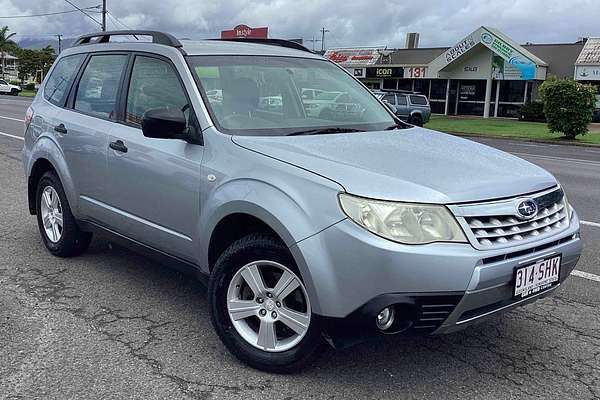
x,y
117,21
86,14
45,14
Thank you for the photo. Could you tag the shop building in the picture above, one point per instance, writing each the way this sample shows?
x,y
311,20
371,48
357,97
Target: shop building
x,y
485,74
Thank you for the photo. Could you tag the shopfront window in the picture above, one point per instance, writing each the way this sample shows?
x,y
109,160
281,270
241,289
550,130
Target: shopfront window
x,y
390,83
422,86
404,84
438,89
512,91
472,90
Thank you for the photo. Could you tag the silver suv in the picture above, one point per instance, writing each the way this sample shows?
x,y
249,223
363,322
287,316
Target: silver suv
x,y
307,228
408,106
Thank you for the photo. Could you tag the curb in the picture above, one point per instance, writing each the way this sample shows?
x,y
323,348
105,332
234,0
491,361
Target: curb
x,y
554,142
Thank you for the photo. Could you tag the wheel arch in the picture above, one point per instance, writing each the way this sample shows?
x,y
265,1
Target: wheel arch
x,y
45,156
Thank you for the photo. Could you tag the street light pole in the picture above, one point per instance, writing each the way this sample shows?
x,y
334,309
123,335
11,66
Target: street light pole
x,y
103,15
59,36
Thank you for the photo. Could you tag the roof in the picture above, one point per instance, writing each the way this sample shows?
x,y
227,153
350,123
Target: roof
x,y
559,57
7,56
590,54
418,56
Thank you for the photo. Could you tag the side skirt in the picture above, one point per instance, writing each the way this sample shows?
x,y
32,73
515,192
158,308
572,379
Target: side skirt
x,y
159,256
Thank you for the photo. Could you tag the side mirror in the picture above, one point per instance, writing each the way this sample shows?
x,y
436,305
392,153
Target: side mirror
x,y
164,123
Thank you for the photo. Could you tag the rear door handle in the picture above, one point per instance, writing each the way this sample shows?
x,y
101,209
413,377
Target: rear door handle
x,y
60,128
118,146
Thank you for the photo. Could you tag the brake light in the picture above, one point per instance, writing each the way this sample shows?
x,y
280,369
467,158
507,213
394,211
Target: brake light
x,y
28,116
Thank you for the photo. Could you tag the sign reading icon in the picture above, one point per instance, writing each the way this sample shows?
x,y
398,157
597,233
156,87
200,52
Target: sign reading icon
x,y
244,31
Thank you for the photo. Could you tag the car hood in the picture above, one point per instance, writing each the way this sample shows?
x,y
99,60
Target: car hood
x,y
414,165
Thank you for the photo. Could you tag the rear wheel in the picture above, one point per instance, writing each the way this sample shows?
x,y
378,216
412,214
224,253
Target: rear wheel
x,y
57,225
260,307
14,92
416,120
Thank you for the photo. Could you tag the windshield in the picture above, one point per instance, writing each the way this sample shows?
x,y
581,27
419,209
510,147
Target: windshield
x,y
263,95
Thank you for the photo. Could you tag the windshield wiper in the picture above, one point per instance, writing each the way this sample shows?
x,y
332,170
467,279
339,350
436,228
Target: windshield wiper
x,y
322,131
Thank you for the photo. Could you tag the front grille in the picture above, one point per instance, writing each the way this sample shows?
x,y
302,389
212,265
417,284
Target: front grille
x,y
491,231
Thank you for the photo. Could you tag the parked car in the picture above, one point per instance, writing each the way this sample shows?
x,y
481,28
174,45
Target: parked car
x,y
306,229
410,106
7,88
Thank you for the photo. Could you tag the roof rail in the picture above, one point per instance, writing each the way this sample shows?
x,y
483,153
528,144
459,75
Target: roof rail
x,y
104,37
271,42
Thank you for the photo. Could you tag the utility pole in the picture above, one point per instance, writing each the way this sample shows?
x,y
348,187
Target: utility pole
x,y
323,31
313,40
59,36
103,15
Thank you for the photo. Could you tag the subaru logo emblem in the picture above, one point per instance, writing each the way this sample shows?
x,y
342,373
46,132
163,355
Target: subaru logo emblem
x,y
527,209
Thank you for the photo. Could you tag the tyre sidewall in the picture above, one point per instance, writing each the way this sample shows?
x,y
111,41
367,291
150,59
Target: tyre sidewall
x,y
226,267
72,240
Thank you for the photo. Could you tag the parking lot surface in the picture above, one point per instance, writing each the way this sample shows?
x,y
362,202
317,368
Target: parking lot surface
x,y
111,324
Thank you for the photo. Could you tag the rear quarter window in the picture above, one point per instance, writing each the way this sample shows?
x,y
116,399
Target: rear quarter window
x,y
418,100
61,78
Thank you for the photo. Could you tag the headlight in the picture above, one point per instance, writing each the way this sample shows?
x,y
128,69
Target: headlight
x,y
568,208
406,223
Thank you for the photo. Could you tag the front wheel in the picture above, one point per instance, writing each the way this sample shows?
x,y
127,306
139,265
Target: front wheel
x,y
14,92
260,307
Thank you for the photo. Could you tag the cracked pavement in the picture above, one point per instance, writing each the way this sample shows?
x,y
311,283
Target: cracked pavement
x,y
112,324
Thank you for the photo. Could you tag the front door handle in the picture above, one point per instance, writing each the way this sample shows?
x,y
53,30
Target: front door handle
x,y
118,146
60,128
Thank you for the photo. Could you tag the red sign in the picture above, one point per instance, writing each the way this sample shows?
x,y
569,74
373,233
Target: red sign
x,y
244,31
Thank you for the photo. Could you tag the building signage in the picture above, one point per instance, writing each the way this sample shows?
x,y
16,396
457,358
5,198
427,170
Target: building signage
x,y
385,72
358,72
460,49
353,57
587,72
509,54
244,31
415,72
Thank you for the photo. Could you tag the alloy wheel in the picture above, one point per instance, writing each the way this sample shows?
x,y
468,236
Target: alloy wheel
x,y
52,214
268,306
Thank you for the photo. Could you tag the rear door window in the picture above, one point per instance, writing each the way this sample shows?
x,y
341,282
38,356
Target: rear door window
x,y
401,100
60,79
99,85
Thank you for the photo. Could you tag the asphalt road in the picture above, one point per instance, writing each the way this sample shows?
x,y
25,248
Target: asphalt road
x,y
111,324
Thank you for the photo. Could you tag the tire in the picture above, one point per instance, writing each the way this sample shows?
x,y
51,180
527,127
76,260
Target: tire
x,y
14,92
225,276
70,240
416,120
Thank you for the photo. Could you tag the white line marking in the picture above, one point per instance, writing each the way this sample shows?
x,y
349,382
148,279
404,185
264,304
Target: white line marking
x,y
14,119
594,224
586,275
12,136
551,158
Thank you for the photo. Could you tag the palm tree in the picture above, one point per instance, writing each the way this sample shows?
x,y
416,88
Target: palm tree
x,y
6,44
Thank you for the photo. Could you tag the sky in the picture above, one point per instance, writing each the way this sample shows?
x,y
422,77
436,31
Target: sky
x,y
351,22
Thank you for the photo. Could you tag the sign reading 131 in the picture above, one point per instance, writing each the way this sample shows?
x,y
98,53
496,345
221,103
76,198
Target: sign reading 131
x,y
416,72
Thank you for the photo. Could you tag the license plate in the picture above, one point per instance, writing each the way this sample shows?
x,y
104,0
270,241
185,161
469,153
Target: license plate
x,y
536,277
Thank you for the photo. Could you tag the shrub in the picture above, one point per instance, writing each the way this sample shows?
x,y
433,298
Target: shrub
x,y
568,106
14,83
533,112
30,86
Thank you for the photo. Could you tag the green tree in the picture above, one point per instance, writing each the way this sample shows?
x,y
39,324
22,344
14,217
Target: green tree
x,y
6,45
568,106
32,61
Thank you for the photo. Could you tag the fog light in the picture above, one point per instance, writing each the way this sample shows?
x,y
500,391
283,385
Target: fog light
x,y
385,318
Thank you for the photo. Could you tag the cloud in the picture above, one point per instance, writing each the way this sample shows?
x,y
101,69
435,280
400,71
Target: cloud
x,y
351,23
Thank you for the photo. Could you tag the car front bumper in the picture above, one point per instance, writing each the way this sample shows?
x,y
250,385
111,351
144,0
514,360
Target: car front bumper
x,y
437,288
